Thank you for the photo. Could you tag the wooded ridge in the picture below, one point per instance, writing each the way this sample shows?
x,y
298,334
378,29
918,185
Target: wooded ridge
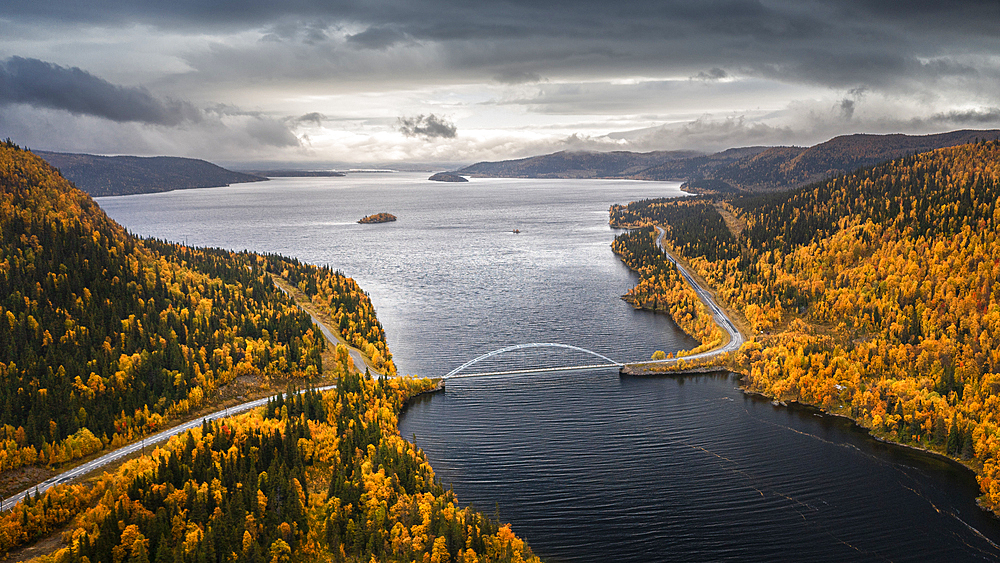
x,y
747,169
107,337
129,175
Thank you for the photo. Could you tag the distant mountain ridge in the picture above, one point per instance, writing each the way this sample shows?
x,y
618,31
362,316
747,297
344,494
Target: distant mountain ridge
x,y
749,169
128,175
781,168
576,164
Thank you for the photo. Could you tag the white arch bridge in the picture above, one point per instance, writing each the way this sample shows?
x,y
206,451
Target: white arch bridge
x,y
456,373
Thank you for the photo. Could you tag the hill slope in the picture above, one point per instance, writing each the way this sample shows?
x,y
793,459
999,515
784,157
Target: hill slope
x,y
127,175
574,164
103,336
106,336
781,168
874,295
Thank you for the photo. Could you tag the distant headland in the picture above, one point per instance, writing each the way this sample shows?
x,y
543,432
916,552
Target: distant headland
x,y
127,175
296,173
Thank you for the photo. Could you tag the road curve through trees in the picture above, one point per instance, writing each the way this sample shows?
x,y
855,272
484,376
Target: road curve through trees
x,y
356,355
718,314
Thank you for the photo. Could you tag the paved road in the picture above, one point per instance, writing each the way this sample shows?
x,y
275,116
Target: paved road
x,y
735,336
356,355
72,474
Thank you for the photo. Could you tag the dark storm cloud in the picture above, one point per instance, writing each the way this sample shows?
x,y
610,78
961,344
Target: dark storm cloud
x,y
983,116
517,77
847,108
429,126
830,42
378,38
715,73
41,84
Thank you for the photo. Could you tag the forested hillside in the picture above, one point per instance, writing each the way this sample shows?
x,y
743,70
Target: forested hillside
x,y
874,294
661,288
126,175
309,477
784,168
105,336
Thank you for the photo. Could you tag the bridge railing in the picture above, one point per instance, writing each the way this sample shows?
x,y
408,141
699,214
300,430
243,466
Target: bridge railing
x,y
459,369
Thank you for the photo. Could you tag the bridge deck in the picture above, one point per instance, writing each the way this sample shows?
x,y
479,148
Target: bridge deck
x,y
535,370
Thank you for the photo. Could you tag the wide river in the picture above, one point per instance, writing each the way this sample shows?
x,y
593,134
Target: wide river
x,y
587,465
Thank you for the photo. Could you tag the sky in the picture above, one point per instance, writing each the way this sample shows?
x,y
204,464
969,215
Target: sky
x,y
315,82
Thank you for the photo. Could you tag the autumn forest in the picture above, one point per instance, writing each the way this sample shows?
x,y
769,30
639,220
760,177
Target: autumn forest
x,y
108,337
873,294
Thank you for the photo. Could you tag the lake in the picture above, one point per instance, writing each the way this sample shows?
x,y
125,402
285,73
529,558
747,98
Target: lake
x,y
587,465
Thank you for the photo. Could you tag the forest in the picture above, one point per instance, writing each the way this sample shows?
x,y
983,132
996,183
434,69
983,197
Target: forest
x,y
106,336
308,477
873,294
662,289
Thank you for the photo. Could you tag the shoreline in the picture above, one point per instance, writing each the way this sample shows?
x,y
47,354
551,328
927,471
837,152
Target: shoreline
x,y
645,370
639,370
795,404
439,387
733,332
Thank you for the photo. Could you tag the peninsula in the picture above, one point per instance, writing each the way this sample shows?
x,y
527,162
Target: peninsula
x,y
129,175
268,477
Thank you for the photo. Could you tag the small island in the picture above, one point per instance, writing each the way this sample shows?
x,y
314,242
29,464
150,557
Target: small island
x,y
377,218
447,177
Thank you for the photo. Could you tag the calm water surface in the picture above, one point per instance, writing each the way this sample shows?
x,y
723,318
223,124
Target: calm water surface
x,y
587,465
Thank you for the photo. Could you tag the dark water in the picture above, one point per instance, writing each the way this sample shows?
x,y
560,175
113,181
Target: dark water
x,y
587,465
594,467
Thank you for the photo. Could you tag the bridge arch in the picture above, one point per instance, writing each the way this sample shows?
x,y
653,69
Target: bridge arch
x,y
473,361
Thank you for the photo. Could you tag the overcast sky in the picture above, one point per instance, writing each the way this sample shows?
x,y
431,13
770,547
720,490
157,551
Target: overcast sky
x,y
362,81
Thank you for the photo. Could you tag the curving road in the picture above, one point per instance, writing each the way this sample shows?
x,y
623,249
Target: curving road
x,y
718,314
107,458
356,355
